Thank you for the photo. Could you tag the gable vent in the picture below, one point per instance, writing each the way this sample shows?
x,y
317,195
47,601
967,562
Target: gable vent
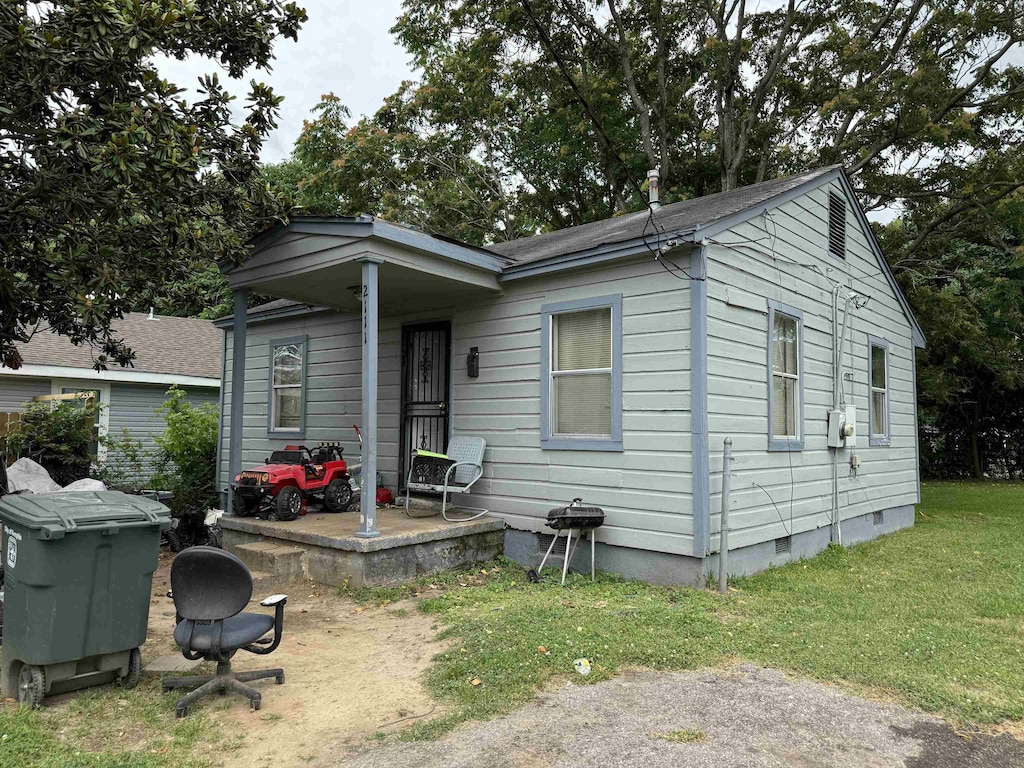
x,y
782,545
836,225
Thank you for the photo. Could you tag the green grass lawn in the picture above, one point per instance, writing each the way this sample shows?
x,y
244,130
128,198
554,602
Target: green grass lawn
x,y
931,616
106,727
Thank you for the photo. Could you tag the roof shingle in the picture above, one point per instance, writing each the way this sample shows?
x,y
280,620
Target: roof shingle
x,y
182,346
669,218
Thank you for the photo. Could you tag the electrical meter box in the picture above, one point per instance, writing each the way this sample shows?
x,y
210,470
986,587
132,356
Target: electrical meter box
x,y
850,427
842,428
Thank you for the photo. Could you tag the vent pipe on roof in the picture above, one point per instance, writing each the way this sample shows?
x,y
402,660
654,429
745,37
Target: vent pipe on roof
x,y
151,315
653,187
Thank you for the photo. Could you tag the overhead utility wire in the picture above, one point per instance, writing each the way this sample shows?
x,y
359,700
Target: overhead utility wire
x,y
550,47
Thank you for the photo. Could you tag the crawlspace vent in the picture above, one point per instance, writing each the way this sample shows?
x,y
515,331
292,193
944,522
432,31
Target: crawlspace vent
x,y
782,545
545,542
876,518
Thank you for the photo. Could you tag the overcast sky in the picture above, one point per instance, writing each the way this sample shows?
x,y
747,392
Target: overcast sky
x,y
344,48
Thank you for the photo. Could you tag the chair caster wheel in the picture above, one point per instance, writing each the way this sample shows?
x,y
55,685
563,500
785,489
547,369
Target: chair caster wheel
x,y
280,679
254,704
181,711
532,576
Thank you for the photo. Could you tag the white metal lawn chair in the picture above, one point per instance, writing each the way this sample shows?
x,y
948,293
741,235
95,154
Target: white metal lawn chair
x,y
444,473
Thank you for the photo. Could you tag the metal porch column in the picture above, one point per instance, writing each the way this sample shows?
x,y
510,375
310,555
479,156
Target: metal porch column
x,y
238,332
368,500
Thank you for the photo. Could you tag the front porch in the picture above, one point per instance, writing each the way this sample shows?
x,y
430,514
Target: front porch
x,y
326,547
367,269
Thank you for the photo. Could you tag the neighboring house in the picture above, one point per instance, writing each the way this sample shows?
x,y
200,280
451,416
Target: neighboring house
x,y
607,361
169,351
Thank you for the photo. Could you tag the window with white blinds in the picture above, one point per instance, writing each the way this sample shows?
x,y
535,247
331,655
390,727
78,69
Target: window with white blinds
x,y
581,372
785,386
878,386
582,389
287,385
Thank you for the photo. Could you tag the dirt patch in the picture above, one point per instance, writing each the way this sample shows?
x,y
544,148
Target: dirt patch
x,y
349,671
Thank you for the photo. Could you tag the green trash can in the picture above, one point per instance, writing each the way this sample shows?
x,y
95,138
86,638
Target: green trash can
x,y
78,578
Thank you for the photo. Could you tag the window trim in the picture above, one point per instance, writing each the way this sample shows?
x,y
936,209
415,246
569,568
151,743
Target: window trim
x,y
273,431
875,440
785,443
103,423
560,443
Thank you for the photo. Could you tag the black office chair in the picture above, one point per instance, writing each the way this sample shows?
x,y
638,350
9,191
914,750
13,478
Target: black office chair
x,y
210,587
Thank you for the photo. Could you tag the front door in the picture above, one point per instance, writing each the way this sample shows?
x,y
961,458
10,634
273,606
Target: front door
x,y
426,361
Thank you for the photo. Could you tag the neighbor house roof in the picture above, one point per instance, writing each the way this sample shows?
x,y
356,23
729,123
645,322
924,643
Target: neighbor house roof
x,y
674,217
165,348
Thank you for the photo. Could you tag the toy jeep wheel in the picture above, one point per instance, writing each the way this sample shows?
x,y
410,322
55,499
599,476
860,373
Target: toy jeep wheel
x,y
288,503
242,507
338,496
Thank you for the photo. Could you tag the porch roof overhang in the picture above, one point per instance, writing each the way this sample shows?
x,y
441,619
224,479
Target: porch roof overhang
x,y
317,261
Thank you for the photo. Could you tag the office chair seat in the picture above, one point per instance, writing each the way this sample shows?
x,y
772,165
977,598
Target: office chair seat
x,y
238,631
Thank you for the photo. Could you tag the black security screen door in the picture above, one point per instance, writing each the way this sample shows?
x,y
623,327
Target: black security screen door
x,y
426,358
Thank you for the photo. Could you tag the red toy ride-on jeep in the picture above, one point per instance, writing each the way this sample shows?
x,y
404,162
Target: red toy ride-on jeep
x,y
290,477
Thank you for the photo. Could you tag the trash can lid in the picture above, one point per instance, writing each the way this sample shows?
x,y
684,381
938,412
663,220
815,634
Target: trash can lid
x,y
54,514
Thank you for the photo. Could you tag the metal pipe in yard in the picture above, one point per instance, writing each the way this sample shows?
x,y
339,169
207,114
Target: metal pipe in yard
x,y
723,536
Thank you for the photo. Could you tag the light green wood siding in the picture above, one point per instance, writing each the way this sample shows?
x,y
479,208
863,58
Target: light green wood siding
x,y
645,490
741,280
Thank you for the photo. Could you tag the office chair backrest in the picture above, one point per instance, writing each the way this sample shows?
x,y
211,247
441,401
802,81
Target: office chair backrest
x,y
208,584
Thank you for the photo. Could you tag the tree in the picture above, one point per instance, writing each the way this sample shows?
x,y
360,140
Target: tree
x,y
110,180
968,295
915,97
397,166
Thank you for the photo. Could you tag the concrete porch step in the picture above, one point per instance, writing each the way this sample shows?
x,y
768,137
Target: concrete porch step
x,y
264,584
280,562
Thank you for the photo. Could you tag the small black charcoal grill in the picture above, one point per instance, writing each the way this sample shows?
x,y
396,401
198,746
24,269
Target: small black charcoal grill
x,y
574,517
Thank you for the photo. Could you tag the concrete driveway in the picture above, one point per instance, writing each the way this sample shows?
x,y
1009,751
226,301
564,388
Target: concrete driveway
x,y
754,718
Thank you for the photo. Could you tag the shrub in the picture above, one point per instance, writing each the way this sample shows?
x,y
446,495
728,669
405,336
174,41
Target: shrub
x,y
128,465
187,459
58,436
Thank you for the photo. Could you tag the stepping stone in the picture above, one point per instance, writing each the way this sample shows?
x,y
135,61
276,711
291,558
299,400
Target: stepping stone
x,y
176,664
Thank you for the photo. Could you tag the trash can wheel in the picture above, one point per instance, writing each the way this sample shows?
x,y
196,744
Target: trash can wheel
x,y
131,679
31,686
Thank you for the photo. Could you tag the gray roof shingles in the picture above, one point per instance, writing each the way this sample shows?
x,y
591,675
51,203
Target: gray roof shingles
x,y
669,218
180,346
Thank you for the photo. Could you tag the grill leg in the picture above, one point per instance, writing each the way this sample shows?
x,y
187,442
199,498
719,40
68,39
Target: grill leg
x,y
568,554
592,548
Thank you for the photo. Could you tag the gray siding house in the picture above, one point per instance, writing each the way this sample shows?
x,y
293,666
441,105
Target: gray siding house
x,y
607,361
185,352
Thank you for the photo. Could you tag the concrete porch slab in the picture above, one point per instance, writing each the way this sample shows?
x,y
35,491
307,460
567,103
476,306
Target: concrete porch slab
x,y
332,554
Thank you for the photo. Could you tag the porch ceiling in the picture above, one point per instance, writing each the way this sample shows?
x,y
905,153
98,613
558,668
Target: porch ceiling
x,y
399,288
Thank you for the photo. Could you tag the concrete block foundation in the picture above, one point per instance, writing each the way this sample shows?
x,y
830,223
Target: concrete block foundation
x,y
323,547
667,569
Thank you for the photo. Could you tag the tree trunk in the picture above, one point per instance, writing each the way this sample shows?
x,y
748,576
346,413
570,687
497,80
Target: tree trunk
x,y
975,449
